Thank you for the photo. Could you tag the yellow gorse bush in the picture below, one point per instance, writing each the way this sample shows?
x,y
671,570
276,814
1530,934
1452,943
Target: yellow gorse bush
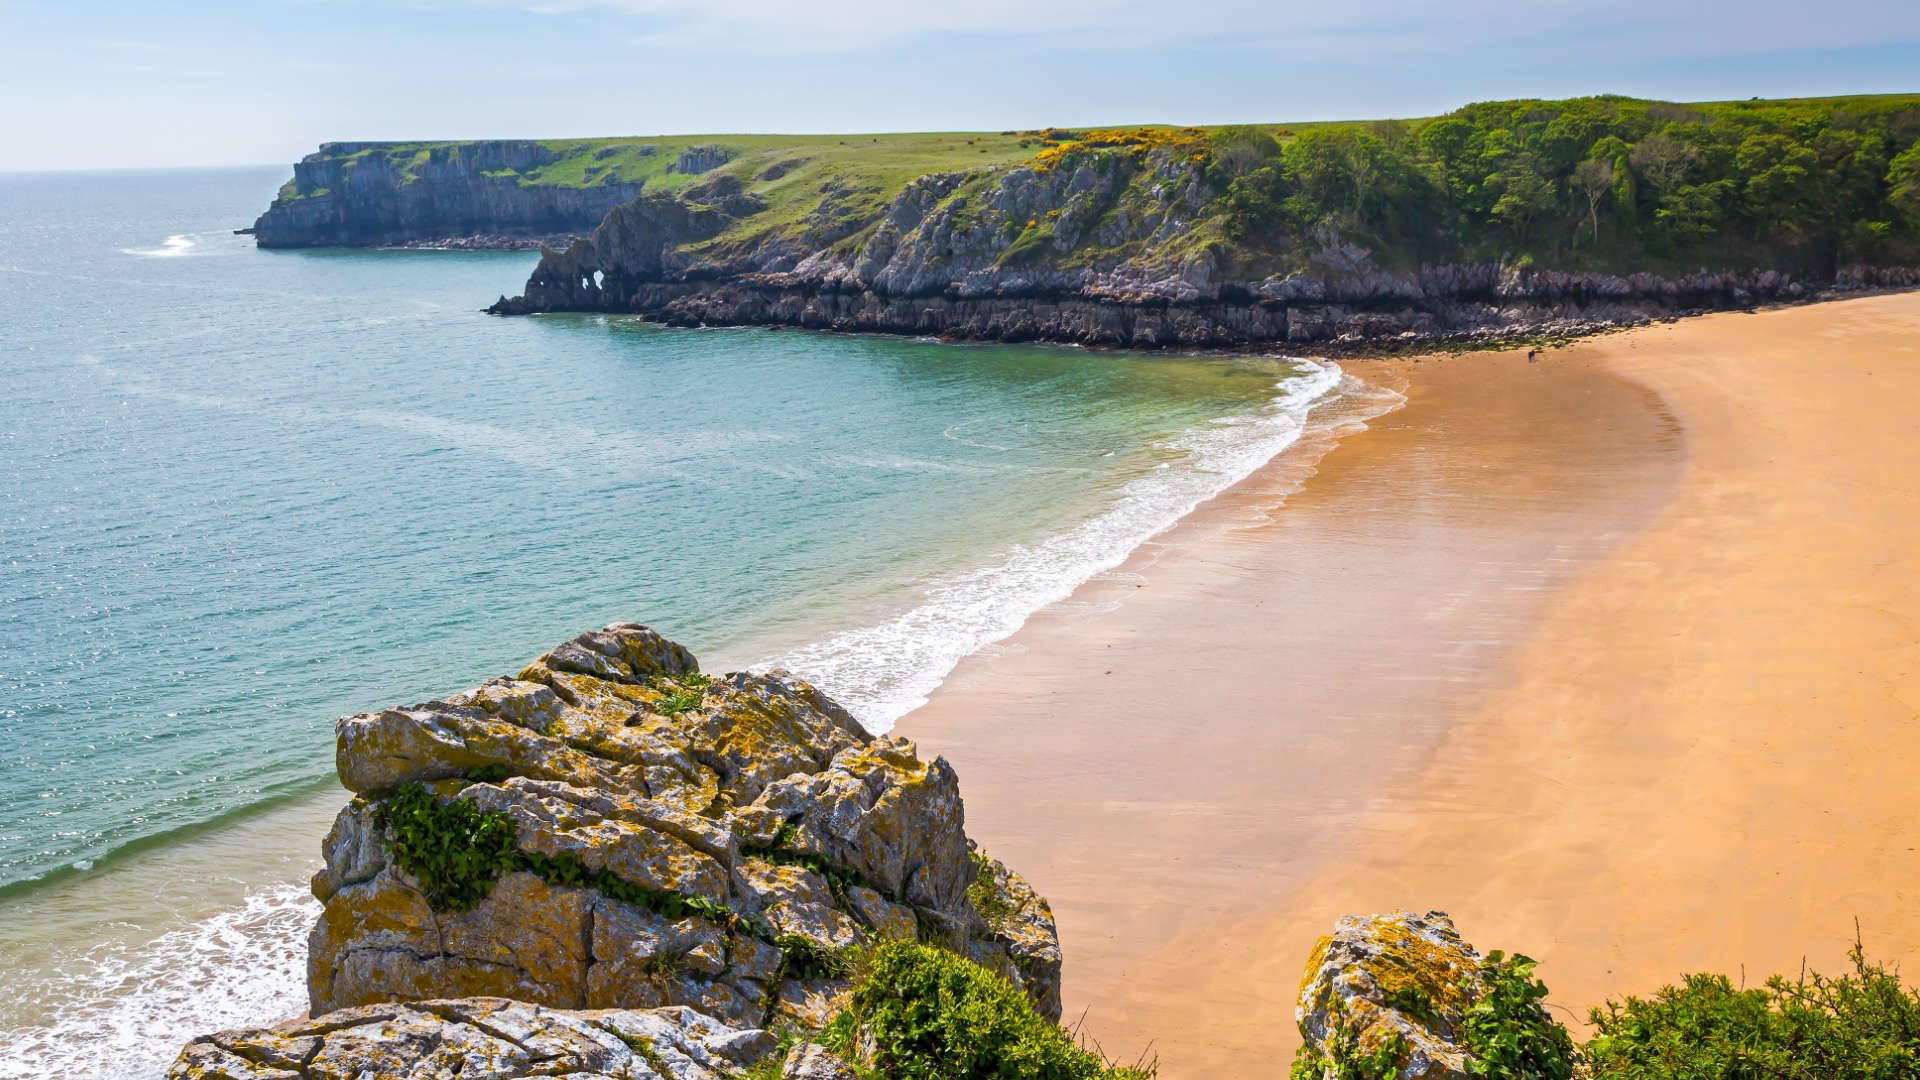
x,y
1061,146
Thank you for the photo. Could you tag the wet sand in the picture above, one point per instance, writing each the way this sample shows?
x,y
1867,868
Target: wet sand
x,y
1612,655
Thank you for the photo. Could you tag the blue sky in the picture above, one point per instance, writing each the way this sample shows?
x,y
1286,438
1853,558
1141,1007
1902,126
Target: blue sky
x,y
115,85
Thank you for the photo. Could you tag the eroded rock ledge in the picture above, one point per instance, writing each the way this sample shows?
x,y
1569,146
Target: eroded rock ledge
x,y
611,829
480,1037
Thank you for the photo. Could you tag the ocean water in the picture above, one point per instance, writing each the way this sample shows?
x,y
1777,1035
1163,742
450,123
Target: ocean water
x,y
245,492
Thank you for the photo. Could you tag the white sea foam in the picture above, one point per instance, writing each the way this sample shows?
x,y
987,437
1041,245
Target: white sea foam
x,y
125,1010
884,671
176,245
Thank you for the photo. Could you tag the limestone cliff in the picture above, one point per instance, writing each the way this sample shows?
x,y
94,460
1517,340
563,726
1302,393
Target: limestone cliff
x,y
610,828
1117,246
468,193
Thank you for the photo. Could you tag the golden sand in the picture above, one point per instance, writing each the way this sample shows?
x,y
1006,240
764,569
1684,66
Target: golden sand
x,y
1615,656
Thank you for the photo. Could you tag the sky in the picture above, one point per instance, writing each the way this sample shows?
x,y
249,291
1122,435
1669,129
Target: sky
x,y
92,85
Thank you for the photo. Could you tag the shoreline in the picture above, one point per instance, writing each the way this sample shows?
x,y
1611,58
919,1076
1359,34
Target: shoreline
x,y
1249,682
1456,595
1551,326
1738,799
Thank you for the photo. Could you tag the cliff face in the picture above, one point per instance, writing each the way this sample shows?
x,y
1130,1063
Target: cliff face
x,y
1115,248
365,194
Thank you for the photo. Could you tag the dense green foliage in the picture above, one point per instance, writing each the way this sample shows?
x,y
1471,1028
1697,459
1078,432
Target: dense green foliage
x,y
931,1014
1599,182
454,849
1860,1026
1509,1033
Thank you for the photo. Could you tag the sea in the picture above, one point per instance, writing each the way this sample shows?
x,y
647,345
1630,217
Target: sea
x,y
245,492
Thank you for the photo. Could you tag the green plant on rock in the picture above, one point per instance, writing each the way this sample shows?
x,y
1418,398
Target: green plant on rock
x,y
840,882
454,849
643,1049
1508,1031
680,693
1345,1061
930,1014
772,1065
1341,1058
994,907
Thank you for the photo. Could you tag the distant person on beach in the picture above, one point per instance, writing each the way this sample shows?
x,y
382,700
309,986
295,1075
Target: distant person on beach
x,y
1532,354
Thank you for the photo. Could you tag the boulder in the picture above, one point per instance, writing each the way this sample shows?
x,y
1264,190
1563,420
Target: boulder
x,y
488,1038
612,829
1400,980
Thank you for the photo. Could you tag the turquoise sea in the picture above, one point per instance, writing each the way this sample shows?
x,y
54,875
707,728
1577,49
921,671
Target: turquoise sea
x,y
245,492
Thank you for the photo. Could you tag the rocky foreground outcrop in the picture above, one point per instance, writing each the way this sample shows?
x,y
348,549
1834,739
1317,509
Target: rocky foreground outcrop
x,y
458,194
1116,249
488,1038
612,829
1400,980
1403,995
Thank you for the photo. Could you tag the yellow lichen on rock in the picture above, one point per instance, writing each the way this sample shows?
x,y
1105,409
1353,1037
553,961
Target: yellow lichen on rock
x,y
1400,983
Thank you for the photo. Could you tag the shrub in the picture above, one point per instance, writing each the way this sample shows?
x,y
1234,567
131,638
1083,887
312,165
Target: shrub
x,y
680,693
1509,1033
931,1014
454,849
1859,1026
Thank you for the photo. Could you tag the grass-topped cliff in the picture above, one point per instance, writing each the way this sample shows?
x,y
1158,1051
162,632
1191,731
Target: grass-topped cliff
x,y
1603,182
1506,215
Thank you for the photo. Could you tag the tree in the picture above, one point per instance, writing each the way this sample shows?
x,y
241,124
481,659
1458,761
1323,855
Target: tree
x,y
1363,154
1779,178
1663,160
1903,183
1593,179
1524,195
1241,149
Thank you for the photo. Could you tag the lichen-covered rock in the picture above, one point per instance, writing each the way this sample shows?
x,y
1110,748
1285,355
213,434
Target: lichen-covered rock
x,y
1025,946
633,834
1400,981
479,1039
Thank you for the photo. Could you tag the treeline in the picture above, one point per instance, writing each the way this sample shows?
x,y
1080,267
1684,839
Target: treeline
x,y
1601,182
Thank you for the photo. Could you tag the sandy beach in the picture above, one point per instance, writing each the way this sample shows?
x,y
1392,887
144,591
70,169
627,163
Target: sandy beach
x,y
1613,656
